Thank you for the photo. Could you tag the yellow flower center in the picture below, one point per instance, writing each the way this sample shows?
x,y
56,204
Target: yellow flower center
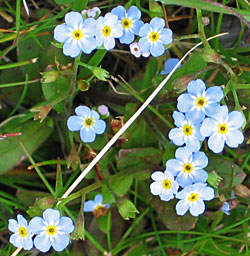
x,y
51,230
222,128
188,168
88,122
167,184
200,102
77,34
188,129
154,36
193,197
126,23
99,207
106,31
23,232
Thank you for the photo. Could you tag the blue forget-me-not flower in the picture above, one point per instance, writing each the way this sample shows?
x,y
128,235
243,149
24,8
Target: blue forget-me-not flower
x,y
164,185
130,21
192,198
154,36
51,230
108,28
22,236
188,167
136,51
169,65
88,122
223,127
199,102
95,205
76,35
186,132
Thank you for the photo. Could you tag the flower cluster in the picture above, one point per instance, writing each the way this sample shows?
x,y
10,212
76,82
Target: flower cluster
x,y
84,32
200,115
51,231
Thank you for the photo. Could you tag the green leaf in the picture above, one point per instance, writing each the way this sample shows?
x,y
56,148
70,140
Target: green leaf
x,y
33,135
64,1
59,180
155,9
150,73
205,6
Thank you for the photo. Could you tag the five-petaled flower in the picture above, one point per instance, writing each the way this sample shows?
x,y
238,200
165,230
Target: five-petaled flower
x,y
223,128
51,230
188,167
199,102
169,65
192,198
77,34
164,185
108,28
22,236
154,36
186,132
130,22
96,206
88,122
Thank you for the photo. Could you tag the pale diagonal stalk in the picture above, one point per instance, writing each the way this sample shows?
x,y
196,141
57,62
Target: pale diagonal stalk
x,y
129,122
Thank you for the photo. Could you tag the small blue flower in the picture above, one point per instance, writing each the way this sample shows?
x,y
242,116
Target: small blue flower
x,y
169,65
230,204
192,198
199,102
186,132
77,34
51,230
154,36
95,205
91,13
22,236
130,22
188,167
223,128
108,28
164,185
88,122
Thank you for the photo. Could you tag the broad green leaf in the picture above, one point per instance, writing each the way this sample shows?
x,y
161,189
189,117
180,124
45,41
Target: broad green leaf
x,y
205,6
28,197
64,1
33,135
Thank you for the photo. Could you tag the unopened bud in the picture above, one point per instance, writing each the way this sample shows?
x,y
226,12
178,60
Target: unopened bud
x,y
180,84
83,85
126,208
78,233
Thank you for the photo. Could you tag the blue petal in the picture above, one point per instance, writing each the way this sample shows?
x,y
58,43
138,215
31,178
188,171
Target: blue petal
x,y
176,136
75,123
207,194
144,30
216,143
195,115
51,216
134,13
167,195
226,208
89,206
200,176
37,225
88,44
169,65
99,39
98,199
178,119
22,221
16,240
166,36
185,102
234,138
173,166
89,27
87,135
42,242
117,30
184,179
71,48
193,144
157,49
127,37
27,243
184,155
200,160
110,19
73,19
13,225
61,33
144,44
137,26
182,207
65,225
99,127
94,115
196,87
197,208
214,93
109,43
157,176
83,111
208,127
157,23
60,242
235,119
222,115
212,108
156,188
120,11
